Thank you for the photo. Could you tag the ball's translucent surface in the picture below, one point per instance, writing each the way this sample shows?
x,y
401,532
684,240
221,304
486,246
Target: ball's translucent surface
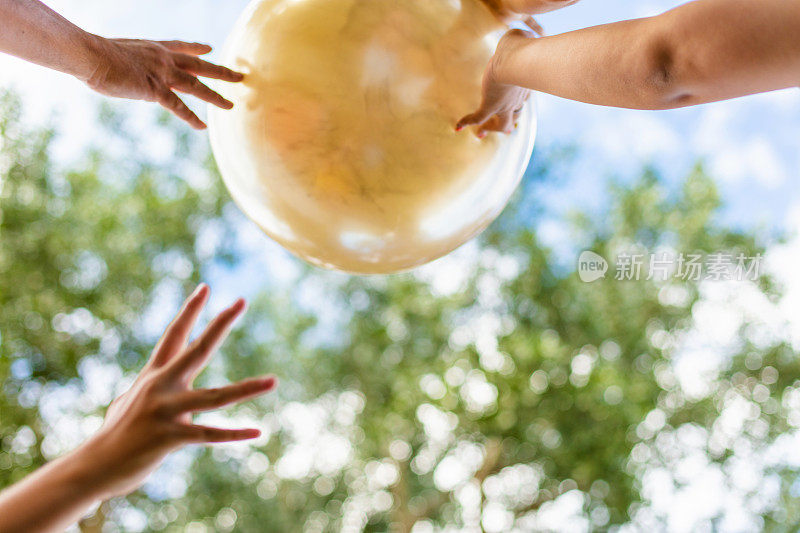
x,y
341,144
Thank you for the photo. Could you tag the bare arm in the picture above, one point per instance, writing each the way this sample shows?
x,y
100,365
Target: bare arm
x,y
52,498
34,32
125,68
703,51
141,427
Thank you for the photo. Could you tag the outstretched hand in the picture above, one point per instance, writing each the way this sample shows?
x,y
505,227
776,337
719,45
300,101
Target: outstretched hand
x,y
154,417
150,420
153,70
501,104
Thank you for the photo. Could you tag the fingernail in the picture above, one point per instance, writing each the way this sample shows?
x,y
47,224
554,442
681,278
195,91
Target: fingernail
x,y
459,128
481,135
269,382
252,433
200,288
239,304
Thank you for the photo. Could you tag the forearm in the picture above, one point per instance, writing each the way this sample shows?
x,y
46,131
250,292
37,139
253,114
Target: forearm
x,y
54,497
703,51
32,31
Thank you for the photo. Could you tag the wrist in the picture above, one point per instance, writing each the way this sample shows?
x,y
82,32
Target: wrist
x,y
496,69
53,497
88,57
504,67
89,467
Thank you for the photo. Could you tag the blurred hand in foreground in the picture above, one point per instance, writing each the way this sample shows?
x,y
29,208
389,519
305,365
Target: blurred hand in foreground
x,y
142,426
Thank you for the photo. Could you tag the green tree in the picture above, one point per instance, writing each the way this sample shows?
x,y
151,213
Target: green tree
x,y
83,253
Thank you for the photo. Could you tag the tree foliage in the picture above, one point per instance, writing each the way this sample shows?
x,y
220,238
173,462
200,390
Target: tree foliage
x,y
488,402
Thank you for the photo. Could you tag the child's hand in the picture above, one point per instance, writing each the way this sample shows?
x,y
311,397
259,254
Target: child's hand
x,y
523,10
153,70
154,417
501,104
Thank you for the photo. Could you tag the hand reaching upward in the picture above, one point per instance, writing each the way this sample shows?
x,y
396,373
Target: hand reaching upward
x,y
154,417
142,426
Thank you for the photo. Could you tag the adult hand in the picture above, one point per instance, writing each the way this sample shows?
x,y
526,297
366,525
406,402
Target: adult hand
x,y
501,104
154,417
153,70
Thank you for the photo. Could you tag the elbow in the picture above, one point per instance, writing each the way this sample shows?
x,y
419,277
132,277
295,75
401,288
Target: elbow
x,y
665,75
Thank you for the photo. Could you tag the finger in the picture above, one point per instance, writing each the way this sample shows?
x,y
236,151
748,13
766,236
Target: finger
x,y
197,354
186,83
176,334
175,105
534,25
517,115
488,126
503,122
475,119
208,399
199,67
195,49
193,433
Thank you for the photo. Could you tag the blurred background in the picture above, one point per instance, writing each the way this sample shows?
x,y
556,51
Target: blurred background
x,y
489,391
